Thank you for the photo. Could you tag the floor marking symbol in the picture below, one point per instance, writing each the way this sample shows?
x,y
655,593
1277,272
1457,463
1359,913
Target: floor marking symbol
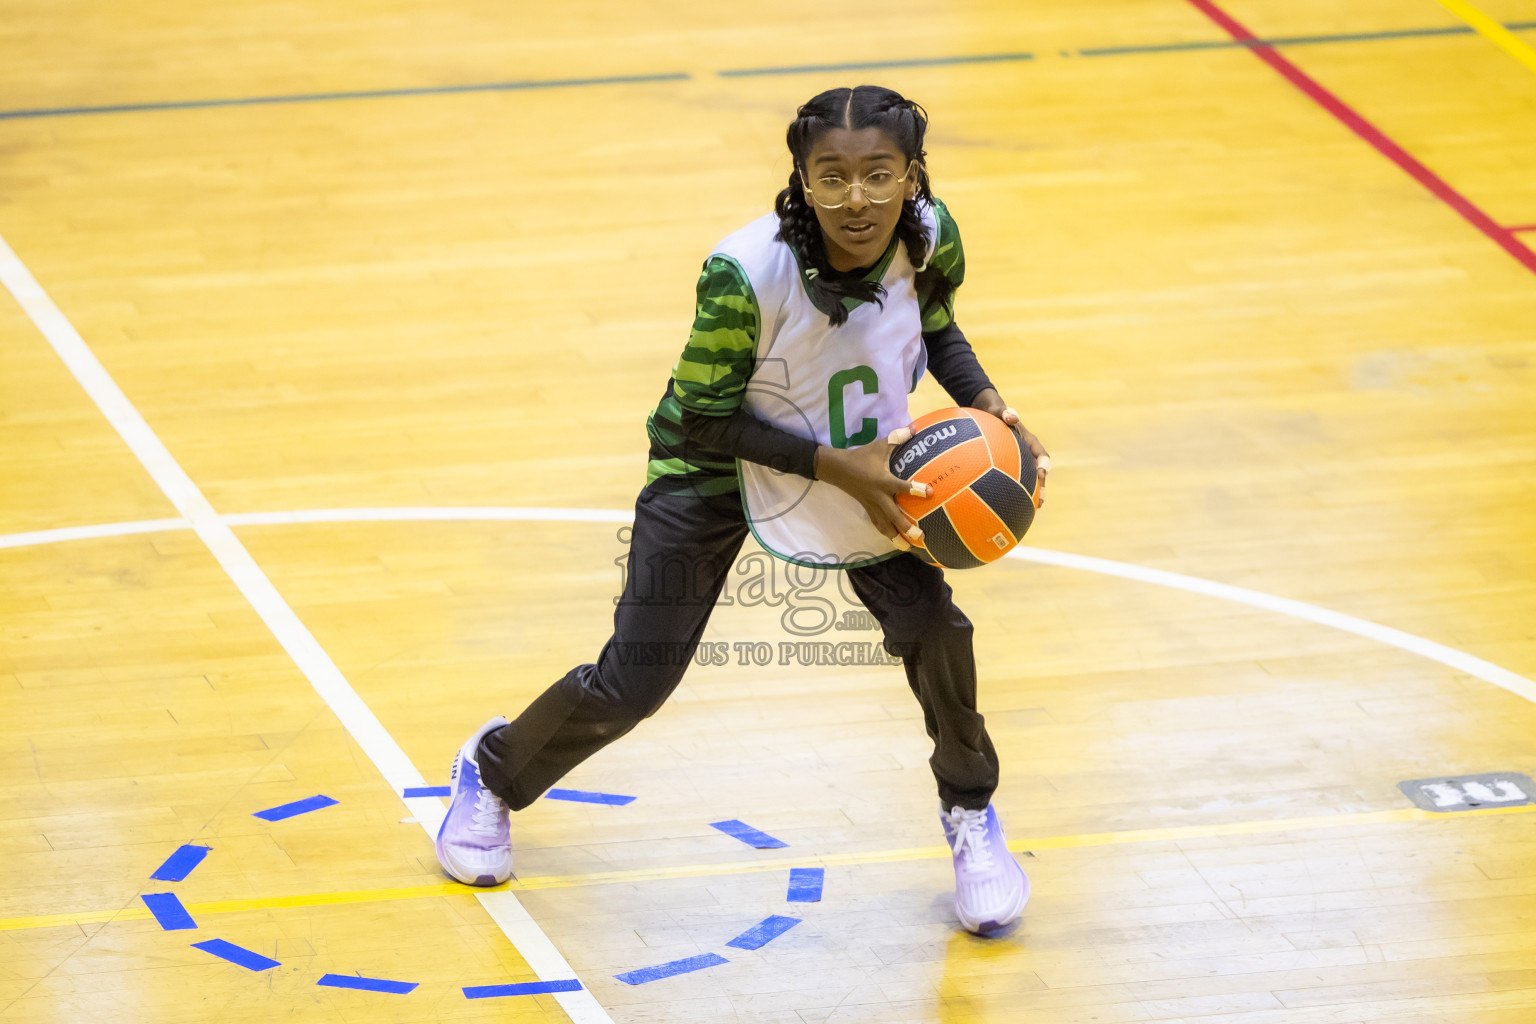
x,y
1462,793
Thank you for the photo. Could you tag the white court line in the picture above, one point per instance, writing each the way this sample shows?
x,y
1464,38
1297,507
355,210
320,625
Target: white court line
x,y
467,513
22,540
1448,656
355,716
1487,671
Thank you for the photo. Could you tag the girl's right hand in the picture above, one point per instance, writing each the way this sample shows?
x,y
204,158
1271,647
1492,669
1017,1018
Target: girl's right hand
x,y
865,474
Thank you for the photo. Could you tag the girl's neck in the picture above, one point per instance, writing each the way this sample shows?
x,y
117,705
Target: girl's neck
x,y
847,265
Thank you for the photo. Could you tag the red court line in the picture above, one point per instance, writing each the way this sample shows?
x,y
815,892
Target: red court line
x,y
1524,227
1505,237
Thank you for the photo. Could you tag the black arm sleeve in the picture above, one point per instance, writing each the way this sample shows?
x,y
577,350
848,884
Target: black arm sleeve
x,y
742,435
954,365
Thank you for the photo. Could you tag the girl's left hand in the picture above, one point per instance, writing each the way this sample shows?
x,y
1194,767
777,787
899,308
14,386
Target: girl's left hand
x,y
990,401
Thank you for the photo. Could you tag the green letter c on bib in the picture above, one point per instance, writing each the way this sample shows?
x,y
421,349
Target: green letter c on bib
x,y
841,379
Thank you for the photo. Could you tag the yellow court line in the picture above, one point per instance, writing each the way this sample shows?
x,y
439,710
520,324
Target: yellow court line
x,y
1087,839
1492,31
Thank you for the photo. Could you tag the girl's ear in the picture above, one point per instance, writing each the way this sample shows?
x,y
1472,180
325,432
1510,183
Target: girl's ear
x,y
909,190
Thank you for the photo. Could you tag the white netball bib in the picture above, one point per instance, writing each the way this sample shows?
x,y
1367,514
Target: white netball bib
x,y
840,386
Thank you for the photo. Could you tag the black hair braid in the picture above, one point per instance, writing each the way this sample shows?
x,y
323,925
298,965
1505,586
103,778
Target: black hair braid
x,y
933,288
907,123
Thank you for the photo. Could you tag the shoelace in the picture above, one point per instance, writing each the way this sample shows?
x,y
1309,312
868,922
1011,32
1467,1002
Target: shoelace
x,y
486,821
487,816
971,837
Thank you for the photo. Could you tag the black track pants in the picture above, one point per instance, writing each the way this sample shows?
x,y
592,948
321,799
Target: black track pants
x,y
680,554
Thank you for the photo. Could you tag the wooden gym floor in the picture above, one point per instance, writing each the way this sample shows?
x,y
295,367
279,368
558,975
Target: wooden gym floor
x,y
1272,308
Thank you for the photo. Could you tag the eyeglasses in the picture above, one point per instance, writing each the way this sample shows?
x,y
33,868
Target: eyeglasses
x,y
878,187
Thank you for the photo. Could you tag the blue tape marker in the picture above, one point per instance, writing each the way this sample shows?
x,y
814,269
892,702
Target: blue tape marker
x,y
180,864
237,955
168,911
529,988
309,803
764,932
427,791
366,984
693,963
805,884
748,835
583,797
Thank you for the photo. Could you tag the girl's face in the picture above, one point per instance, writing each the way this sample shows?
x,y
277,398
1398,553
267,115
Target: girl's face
x,y
857,232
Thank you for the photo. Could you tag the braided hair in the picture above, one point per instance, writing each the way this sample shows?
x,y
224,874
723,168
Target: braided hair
x,y
864,106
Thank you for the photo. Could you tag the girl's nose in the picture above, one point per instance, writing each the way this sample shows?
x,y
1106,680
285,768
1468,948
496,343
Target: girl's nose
x,y
856,200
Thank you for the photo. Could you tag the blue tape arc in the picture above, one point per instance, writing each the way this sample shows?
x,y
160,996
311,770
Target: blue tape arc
x,y
168,911
805,884
427,791
367,984
527,988
668,970
583,797
764,932
281,811
749,835
180,864
239,955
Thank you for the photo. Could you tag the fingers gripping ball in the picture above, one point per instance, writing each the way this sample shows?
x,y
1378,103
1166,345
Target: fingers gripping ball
x,y
984,486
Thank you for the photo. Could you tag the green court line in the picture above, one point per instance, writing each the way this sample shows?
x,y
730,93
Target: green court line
x,y
680,76
1121,51
1309,40
913,62
368,94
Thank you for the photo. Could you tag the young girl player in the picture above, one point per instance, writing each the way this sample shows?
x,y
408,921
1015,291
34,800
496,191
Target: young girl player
x,y
813,324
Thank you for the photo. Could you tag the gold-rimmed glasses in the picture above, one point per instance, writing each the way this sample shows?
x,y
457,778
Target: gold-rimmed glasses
x,y
878,187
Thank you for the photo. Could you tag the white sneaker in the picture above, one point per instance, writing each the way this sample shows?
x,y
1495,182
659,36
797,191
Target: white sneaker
x,y
990,886
474,843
